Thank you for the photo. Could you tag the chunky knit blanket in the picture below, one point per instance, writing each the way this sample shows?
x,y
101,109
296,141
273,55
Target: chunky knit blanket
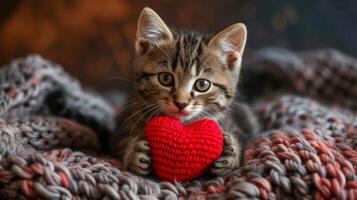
x,y
51,131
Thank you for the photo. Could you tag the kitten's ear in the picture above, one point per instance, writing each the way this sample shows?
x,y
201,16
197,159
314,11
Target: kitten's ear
x,y
151,30
230,44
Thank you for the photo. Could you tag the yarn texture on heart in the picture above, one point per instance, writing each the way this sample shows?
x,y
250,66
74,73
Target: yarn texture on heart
x,y
183,152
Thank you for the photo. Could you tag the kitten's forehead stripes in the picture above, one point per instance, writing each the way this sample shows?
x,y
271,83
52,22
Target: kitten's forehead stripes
x,y
188,51
176,57
197,60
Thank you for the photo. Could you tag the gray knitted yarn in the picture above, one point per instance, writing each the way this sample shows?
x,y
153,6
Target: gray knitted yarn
x,y
51,130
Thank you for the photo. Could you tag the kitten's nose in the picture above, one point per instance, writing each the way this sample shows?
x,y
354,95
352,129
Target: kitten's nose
x,y
180,106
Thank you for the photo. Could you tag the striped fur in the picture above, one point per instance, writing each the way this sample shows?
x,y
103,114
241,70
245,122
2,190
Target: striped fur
x,y
187,57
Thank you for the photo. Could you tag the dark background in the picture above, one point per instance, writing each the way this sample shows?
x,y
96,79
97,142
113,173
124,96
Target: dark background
x,y
93,39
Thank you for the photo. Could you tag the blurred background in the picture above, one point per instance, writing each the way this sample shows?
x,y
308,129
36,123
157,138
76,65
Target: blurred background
x,y
94,40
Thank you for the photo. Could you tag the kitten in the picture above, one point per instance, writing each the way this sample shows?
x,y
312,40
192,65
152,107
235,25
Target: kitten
x,y
185,75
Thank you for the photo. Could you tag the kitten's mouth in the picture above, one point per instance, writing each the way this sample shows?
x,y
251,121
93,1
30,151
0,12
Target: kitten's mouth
x,y
182,113
179,114
172,111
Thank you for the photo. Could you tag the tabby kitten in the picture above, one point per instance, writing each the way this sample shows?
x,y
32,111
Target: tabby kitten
x,y
184,75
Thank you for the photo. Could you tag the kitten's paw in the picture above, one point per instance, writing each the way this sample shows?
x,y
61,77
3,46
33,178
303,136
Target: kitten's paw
x,y
223,165
229,159
141,160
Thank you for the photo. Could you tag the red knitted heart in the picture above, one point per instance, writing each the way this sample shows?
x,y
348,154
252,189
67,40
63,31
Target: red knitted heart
x,y
180,152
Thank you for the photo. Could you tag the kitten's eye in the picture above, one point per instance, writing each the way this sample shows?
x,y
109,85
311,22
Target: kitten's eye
x,y
202,85
166,79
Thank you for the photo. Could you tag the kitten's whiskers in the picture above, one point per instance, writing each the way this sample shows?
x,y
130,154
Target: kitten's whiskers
x,y
154,113
121,78
222,121
127,107
137,112
146,112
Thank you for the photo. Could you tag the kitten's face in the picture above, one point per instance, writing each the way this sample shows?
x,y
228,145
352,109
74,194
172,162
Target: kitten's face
x,y
186,75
